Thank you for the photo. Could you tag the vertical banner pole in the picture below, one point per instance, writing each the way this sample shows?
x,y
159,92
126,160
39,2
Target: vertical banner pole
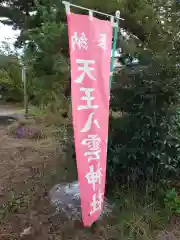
x,y
115,36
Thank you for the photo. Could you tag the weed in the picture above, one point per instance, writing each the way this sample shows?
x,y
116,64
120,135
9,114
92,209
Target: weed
x,y
138,216
172,201
11,206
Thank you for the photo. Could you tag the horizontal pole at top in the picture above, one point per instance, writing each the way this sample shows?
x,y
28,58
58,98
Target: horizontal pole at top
x,y
77,6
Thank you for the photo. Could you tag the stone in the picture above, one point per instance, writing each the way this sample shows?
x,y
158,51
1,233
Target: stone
x,y
66,199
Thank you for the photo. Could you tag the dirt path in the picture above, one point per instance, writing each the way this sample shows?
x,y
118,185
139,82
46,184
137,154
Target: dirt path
x,y
9,111
28,169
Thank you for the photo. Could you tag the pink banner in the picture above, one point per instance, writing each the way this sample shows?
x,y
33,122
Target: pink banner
x,y
90,41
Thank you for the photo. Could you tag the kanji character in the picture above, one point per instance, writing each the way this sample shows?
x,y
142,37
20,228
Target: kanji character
x,y
103,41
89,122
94,177
97,203
86,69
93,142
87,98
94,155
81,41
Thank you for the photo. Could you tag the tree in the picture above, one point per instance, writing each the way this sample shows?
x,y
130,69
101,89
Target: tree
x,y
144,143
46,54
19,14
10,78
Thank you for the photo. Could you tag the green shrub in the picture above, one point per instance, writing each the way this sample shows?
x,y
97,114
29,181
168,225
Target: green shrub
x,y
144,144
10,79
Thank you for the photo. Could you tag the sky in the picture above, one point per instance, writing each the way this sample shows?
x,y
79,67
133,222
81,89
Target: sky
x,y
8,35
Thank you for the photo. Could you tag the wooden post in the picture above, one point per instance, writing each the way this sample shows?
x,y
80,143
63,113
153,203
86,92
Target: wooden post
x,y
24,80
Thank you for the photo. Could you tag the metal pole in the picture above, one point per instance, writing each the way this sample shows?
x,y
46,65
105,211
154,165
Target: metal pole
x,y
24,80
68,4
116,27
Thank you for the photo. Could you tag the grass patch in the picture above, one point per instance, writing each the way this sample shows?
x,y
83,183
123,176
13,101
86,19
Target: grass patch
x,y
138,216
48,117
134,218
